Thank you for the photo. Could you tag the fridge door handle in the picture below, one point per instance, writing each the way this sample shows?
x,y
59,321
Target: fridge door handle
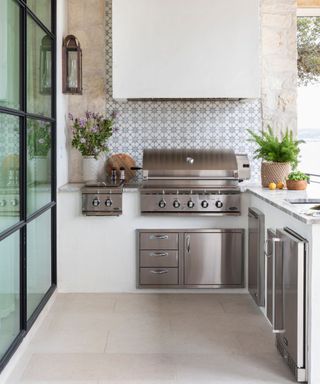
x,y
266,243
277,328
188,243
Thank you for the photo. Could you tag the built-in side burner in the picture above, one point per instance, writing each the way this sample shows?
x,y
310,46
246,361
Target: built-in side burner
x,y
102,198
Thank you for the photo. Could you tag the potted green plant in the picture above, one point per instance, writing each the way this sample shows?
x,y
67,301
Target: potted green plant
x,y
297,181
90,136
279,154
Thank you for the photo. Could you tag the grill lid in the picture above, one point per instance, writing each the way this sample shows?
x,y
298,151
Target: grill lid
x,y
190,163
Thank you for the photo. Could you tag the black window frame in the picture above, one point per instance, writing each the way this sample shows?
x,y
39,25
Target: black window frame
x,y
21,226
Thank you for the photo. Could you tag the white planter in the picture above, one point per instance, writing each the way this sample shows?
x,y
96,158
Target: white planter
x,y
90,168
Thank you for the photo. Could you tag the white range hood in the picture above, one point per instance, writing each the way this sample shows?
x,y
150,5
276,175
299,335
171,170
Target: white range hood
x,y
186,49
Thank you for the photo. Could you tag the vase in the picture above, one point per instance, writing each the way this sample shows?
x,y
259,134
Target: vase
x,y
272,172
39,172
297,185
90,168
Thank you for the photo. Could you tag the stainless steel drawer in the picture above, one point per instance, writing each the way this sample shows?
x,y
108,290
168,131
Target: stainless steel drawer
x,y
158,240
158,258
159,276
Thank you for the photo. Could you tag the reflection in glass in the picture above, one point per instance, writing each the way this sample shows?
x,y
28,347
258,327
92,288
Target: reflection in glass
x,y
38,260
38,102
9,291
73,69
39,142
9,54
42,9
9,171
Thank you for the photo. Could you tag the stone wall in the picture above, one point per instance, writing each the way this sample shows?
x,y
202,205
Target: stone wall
x,y
279,64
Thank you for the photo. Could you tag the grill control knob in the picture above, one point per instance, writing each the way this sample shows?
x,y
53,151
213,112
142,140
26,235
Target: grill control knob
x,y
96,202
162,204
3,203
219,204
14,202
176,204
190,204
108,203
204,204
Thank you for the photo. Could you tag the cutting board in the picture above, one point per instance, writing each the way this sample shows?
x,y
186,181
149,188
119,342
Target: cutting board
x,y
121,160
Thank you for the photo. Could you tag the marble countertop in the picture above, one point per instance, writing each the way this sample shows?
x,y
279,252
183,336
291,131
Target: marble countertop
x,y
278,199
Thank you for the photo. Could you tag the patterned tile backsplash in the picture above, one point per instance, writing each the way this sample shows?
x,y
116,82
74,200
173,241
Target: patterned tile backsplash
x,y
180,123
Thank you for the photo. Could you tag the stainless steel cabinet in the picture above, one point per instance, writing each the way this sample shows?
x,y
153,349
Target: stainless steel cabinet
x,y
214,258
286,299
256,239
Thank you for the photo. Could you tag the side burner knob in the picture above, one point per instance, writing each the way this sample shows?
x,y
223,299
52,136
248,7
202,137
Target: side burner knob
x,y
162,204
190,204
96,202
204,204
108,203
219,204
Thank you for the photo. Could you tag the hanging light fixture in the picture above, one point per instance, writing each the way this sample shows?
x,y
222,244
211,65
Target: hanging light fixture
x,y
72,65
46,65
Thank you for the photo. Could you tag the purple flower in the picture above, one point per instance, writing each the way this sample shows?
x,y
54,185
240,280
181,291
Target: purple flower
x,y
88,115
114,114
94,129
82,140
82,122
70,116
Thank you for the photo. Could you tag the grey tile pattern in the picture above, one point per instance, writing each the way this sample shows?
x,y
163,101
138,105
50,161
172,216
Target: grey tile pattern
x,y
179,123
9,136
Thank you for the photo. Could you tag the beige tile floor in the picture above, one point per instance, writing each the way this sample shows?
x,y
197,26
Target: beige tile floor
x,y
152,338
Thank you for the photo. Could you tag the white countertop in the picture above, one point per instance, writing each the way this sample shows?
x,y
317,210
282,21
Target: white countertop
x,y
278,199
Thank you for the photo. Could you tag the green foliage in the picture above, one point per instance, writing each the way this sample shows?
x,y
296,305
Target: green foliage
x,y
308,40
91,133
39,138
298,176
271,148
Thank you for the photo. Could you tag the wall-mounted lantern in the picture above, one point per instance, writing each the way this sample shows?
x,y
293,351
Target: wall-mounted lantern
x,y
46,66
72,65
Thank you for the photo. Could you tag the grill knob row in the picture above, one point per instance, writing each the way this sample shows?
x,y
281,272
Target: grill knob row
x,y
177,204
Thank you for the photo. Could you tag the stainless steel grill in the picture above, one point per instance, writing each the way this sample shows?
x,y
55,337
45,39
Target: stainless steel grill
x,y
192,181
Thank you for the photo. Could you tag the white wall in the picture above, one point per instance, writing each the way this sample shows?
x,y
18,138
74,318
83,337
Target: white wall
x,y
62,100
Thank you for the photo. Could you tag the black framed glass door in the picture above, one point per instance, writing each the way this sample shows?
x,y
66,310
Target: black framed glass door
x,y
27,166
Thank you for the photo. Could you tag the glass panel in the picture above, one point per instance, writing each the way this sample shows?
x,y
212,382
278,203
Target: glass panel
x,y
39,70
9,291
9,54
38,260
39,164
9,171
42,9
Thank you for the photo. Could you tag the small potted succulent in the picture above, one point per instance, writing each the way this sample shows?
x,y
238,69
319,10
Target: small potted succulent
x,y
279,154
297,181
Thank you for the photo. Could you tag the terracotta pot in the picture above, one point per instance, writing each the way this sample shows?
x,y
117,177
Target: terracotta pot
x,y
297,185
274,172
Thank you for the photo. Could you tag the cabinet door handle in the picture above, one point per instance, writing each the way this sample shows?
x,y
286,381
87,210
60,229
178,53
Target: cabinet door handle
x,y
266,243
159,254
159,237
159,272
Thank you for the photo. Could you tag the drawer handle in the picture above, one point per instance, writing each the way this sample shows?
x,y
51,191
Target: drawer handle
x,y
159,254
160,272
159,237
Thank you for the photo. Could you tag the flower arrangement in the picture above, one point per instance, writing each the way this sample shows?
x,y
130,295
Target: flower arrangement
x,y
39,138
91,133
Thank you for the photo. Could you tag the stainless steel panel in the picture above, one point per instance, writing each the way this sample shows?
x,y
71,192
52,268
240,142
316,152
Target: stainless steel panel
x,y
270,257
98,203
158,240
256,260
179,203
214,258
159,276
159,258
244,171
293,293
